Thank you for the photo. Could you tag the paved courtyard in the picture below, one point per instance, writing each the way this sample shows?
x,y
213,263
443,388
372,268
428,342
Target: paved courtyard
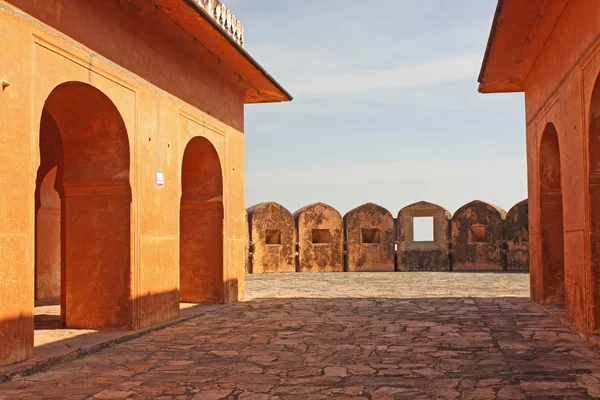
x,y
345,336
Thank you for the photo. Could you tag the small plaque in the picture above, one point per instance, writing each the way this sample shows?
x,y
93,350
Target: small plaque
x,y
160,178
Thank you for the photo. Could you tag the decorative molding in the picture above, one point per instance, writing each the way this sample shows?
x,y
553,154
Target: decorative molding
x,y
220,13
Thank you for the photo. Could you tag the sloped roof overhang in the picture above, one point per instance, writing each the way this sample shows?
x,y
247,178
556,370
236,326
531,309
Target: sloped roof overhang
x,y
519,32
262,87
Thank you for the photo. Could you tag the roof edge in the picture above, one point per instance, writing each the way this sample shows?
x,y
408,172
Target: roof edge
x,y
238,47
488,48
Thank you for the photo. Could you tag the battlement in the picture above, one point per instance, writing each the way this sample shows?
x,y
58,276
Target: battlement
x,y
316,238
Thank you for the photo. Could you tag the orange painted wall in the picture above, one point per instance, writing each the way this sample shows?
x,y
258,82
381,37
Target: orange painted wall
x,y
167,92
558,90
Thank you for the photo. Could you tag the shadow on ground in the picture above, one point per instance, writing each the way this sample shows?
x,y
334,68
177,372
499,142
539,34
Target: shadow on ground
x,y
343,345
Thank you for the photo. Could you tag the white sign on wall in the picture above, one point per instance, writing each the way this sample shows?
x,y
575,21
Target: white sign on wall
x,y
160,178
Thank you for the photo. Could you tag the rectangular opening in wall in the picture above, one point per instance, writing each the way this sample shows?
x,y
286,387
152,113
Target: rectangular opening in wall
x,y
423,229
273,236
321,236
371,236
478,234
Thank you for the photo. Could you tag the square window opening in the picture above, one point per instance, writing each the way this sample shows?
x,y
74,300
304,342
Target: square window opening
x,y
371,236
478,234
321,236
423,229
273,236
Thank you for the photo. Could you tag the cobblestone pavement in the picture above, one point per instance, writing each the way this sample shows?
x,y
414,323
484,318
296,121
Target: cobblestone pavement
x,y
331,342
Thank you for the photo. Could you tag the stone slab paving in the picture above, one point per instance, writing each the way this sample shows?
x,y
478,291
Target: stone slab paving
x,y
337,343
55,345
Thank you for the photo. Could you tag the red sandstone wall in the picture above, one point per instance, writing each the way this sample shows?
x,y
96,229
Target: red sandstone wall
x,y
558,90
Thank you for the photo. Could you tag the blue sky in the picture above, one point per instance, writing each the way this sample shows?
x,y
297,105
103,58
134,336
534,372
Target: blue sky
x,y
386,107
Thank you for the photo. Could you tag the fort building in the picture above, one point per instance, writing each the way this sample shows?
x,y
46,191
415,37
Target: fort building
x,y
122,183
550,50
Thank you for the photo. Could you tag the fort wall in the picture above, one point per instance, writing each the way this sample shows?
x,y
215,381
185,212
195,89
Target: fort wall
x,y
478,237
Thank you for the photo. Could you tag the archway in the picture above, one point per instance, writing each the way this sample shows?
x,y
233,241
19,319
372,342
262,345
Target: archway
x,y
594,188
201,224
552,274
84,140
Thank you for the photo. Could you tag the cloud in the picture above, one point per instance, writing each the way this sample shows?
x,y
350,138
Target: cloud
x,y
449,183
382,172
418,74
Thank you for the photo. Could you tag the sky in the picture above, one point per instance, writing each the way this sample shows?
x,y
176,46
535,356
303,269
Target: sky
x,y
385,109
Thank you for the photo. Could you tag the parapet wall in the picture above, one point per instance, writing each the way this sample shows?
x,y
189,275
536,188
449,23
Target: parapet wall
x,y
479,237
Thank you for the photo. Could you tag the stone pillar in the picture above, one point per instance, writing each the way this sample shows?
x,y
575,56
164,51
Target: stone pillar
x,y
96,278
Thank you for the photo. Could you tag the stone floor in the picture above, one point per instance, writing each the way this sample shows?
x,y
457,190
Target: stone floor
x,y
52,341
345,336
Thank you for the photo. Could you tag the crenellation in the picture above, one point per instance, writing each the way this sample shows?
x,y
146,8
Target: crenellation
x,y
479,237
370,237
424,256
273,237
516,231
320,238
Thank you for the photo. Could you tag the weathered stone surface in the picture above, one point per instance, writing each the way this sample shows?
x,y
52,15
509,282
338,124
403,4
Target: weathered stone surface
x,y
320,238
273,236
334,343
477,237
247,262
423,256
516,231
370,236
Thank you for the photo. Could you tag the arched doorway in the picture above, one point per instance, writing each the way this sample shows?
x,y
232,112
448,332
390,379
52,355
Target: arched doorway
x,y
594,187
84,140
201,224
552,276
